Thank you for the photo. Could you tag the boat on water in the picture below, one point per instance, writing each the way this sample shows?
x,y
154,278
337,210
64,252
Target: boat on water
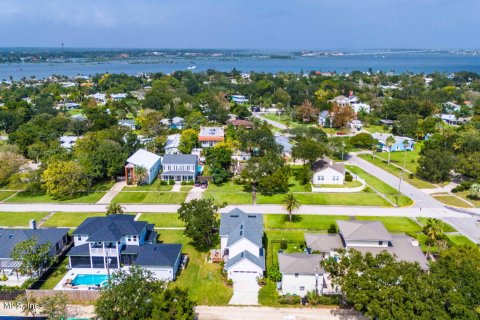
x,y
193,67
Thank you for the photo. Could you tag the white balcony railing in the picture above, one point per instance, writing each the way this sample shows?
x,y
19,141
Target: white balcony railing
x,y
102,252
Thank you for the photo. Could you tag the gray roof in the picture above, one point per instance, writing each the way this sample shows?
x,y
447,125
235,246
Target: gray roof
x,y
363,230
323,114
81,250
284,142
323,242
301,263
158,254
326,163
173,141
249,256
237,224
9,238
382,137
110,228
401,246
179,159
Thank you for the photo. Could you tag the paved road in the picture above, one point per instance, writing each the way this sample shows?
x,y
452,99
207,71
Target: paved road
x,y
273,123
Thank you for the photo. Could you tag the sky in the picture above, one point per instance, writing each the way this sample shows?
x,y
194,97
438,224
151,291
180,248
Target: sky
x,y
242,24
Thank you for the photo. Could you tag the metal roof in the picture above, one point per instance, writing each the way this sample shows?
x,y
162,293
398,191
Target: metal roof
x,y
143,158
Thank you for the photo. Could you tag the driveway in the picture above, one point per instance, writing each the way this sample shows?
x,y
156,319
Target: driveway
x,y
112,193
245,293
267,313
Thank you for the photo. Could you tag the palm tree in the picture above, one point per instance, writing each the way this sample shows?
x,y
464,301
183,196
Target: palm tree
x,y
114,208
433,229
290,204
140,174
389,143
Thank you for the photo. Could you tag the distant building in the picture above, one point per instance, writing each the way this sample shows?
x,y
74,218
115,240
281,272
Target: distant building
x,y
285,144
341,101
172,144
127,123
99,97
239,99
323,118
400,144
68,142
142,158
241,124
210,136
118,96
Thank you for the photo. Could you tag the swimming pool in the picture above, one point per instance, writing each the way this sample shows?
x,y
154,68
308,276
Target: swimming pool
x,y
89,279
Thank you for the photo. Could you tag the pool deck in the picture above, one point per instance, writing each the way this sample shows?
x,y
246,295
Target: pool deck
x,y
72,273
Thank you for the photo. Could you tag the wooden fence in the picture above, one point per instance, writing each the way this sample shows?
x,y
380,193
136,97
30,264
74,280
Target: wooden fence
x,y
73,296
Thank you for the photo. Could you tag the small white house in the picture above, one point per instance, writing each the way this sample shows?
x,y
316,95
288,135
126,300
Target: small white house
x,y
301,273
328,172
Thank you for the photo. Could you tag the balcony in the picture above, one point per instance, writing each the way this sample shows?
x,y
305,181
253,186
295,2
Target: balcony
x,y
103,252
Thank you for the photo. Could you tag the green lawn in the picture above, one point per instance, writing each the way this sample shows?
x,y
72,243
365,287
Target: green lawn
x,y
164,220
380,186
294,238
151,197
229,197
373,129
395,224
228,186
416,182
347,199
346,184
397,158
464,195
186,188
452,201
23,197
268,295
155,186
299,221
53,275
203,280
459,240
446,226
5,194
69,219
284,119
19,219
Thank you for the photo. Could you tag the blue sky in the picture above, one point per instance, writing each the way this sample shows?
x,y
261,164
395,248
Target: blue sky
x,y
262,24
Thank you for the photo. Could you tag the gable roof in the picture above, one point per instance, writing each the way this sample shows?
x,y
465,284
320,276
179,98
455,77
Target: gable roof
x,y
302,263
144,159
237,224
110,228
382,137
158,254
260,262
363,230
9,238
173,141
211,133
179,159
323,242
325,163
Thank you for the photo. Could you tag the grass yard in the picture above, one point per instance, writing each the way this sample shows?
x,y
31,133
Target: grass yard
x,y
411,162
373,129
19,219
395,224
459,240
162,220
446,226
203,280
452,201
53,275
23,197
346,184
155,186
229,197
295,242
464,194
284,119
380,186
5,194
186,188
229,186
346,199
69,219
268,295
151,197
299,221
416,182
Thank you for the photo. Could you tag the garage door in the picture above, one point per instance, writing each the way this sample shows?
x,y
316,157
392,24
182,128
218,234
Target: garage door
x,y
244,276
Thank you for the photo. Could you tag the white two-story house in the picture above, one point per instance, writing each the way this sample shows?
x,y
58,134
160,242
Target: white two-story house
x,y
118,241
241,245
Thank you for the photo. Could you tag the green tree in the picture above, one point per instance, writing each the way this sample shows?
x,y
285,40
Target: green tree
x,y
201,221
433,229
65,179
10,163
291,204
129,295
474,191
389,142
114,208
188,141
308,151
173,304
141,174
219,160
363,140
434,165
32,255
55,307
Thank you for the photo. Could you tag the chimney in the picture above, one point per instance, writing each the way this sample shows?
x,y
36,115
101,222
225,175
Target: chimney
x,y
33,224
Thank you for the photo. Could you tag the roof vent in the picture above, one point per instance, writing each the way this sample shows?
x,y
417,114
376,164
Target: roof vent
x,y
234,216
250,216
10,236
241,226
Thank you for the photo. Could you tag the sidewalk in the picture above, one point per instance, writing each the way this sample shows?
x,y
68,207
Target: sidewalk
x,y
112,193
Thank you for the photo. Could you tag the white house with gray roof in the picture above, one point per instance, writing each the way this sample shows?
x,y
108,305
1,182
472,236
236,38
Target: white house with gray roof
x,y
301,273
179,167
241,245
328,172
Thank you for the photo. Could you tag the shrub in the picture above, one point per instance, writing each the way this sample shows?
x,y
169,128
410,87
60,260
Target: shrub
x,y
348,178
163,182
333,228
273,273
261,281
411,176
171,182
289,299
283,244
367,189
229,282
316,300
183,183
3,277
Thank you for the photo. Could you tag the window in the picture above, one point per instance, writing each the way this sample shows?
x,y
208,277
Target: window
x,y
79,238
134,238
302,288
321,178
129,238
296,275
380,243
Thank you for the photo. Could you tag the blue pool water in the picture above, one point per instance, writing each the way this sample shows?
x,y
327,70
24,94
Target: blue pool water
x,y
89,279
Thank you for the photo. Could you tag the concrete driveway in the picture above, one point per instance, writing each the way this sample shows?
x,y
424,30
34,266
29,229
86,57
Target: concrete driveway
x,y
245,293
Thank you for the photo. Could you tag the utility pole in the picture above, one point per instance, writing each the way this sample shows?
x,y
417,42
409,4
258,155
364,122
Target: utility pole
x,y
405,144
